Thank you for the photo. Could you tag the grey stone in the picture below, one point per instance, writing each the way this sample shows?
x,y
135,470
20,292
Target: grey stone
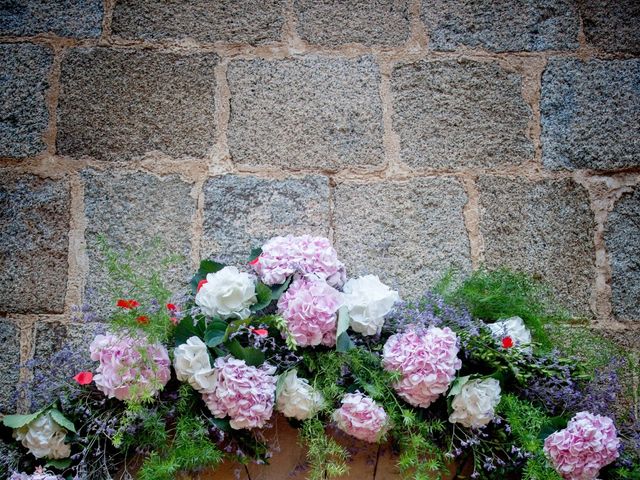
x,y
544,228
66,18
9,364
622,237
232,21
458,114
34,243
409,233
591,114
23,111
140,213
612,26
369,22
120,104
306,113
511,25
243,212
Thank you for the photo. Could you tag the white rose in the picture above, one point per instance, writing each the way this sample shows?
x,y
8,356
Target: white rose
x,y
192,364
514,328
368,301
43,437
228,293
474,406
298,399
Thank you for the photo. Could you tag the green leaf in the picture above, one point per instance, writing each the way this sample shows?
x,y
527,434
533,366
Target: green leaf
x,y
278,290
457,385
61,420
215,332
17,421
552,425
280,383
222,423
344,343
60,463
255,253
252,356
186,329
206,267
343,320
263,294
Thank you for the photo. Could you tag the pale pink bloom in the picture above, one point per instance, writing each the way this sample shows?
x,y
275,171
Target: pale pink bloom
x,y
361,417
283,256
130,368
244,393
427,361
587,444
310,309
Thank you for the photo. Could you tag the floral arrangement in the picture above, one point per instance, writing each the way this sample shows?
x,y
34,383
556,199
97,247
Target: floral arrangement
x,y
465,380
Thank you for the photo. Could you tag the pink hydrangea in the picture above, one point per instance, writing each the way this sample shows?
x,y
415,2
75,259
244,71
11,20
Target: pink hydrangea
x,y
361,417
587,444
283,256
310,309
130,368
244,393
427,360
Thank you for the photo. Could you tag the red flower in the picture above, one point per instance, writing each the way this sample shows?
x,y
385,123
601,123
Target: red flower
x,y
260,331
255,260
128,304
507,342
175,320
200,284
171,307
84,378
142,320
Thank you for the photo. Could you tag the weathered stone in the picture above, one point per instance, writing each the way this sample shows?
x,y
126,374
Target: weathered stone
x,y
34,243
67,18
142,213
9,364
612,26
306,113
622,237
370,22
510,25
243,212
544,228
233,21
119,104
590,114
23,112
458,114
408,233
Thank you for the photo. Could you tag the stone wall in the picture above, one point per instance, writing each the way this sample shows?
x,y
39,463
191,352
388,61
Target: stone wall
x,y
417,135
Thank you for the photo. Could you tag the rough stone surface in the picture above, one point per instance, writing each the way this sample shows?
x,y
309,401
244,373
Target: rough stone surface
x,y
306,113
370,22
590,114
233,21
51,337
118,104
243,212
511,25
34,244
613,26
409,233
458,114
23,112
544,228
9,364
66,18
622,237
142,213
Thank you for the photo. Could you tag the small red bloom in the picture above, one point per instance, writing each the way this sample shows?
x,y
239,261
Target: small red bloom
x,y
143,320
128,304
171,307
200,284
260,331
507,342
255,260
175,320
84,378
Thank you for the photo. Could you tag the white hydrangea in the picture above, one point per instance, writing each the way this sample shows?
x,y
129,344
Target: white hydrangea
x,y
298,399
514,328
227,293
192,364
43,437
474,406
368,301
